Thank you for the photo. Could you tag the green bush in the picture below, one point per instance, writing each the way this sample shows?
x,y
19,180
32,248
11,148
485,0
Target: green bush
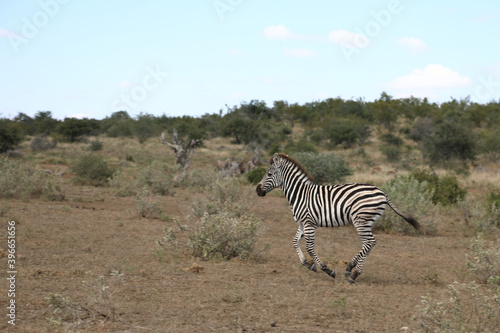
x,y
121,128
343,133
73,129
10,136
364,132
450,141
325,167
255,175
91,170
446,190
95,145
300,146
391,139
494,198
490,145
494,206
410,196
392,152
317,137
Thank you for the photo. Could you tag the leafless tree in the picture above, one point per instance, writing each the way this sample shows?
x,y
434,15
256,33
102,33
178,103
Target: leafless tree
x,y
183,152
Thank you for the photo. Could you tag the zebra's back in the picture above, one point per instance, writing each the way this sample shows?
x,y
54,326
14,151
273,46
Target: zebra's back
x,y
338,205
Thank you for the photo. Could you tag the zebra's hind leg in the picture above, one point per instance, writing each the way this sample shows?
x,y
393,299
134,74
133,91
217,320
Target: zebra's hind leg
x,y
358,262
309,234
296,245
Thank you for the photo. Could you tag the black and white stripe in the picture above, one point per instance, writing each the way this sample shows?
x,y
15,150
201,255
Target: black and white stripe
x,y
316,206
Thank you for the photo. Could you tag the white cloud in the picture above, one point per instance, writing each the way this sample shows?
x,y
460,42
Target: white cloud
x,y
432,76
278,32
347,37
300,53
413,44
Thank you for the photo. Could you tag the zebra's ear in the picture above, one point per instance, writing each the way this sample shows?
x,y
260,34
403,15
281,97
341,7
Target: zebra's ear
x,y
276,157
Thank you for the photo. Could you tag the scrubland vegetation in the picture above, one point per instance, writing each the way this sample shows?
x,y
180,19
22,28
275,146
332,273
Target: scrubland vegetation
x,y
439,162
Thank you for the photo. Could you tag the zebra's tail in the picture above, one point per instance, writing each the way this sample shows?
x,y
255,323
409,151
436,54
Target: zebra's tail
x,y
410,219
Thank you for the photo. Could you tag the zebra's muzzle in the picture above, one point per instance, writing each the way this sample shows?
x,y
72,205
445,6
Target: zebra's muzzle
x,y
260,191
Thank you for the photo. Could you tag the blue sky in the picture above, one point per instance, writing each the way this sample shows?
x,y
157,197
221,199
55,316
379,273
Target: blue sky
x,y
92,58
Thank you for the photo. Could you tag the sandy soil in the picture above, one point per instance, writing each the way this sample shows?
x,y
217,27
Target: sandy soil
x,y
94,251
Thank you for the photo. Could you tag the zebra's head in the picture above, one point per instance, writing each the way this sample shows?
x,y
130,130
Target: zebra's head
x,y
273,177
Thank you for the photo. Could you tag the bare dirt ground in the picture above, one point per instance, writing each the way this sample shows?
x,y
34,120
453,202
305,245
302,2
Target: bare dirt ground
x,y
93,251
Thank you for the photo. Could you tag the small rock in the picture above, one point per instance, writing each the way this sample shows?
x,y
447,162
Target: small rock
x,y
273,324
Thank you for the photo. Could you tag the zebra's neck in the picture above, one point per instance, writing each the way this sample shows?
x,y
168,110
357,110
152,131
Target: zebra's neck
x,y
295,181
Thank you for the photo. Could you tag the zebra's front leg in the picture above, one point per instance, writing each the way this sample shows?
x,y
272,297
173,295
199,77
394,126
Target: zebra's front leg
x,y
309,233
296,245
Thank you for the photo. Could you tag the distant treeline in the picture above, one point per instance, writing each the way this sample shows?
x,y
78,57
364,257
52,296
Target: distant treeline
x,y
458,129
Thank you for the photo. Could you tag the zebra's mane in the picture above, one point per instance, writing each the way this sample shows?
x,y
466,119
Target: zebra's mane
x,y
297,164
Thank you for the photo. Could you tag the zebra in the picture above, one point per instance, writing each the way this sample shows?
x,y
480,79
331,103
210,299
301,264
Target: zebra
x,y
316,206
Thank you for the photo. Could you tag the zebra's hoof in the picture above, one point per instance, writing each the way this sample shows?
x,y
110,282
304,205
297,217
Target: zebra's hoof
x,y
353,277
347,274
309,265
329,272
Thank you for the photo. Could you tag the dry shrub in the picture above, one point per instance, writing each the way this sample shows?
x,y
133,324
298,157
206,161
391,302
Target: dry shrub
x,y
484,261
41,143
223,194
24,180
147,206
157,178
225,228
224,236
121,185
471,306
480,216
199,178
